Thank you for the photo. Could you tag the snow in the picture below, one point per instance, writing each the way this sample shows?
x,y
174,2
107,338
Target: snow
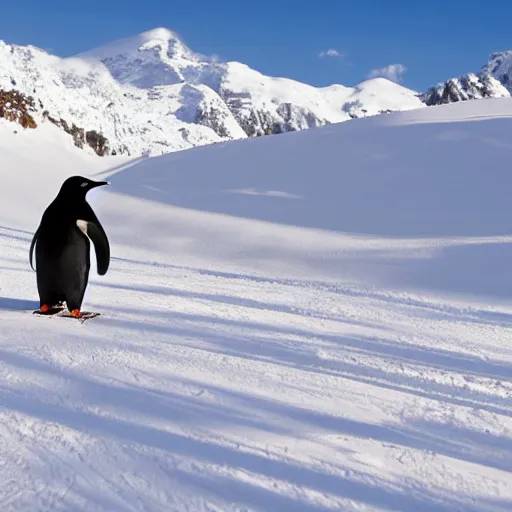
x,y
311,322
131,45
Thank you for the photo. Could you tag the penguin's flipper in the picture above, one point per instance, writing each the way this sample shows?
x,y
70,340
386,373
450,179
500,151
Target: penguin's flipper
x,y
95,232
32,245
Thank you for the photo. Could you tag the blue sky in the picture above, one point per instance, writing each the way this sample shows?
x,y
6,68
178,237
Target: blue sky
x,y
427,41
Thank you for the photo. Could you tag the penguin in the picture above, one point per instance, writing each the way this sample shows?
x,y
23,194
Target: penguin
x,y
62,247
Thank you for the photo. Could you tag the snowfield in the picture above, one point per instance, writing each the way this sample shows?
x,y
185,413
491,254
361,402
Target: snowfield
x,y
318,321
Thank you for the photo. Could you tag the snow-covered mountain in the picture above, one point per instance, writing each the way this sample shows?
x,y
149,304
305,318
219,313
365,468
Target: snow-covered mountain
x,y
493,81
500,66
151,94
466,87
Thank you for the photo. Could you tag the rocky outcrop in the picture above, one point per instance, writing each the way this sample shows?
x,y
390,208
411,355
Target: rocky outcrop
x,y
466,87
256,123
18,108
282,118
208,115
200,105
295,118
22,109
81,137
97,142
355,109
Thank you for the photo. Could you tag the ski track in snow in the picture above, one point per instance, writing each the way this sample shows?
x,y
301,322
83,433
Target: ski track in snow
x,y
280,396
227,387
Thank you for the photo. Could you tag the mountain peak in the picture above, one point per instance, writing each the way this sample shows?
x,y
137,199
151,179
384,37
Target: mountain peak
x,y
162,33
465,87
500,67
152,58
160,38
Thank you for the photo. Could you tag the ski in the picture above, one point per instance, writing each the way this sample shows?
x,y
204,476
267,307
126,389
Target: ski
x,y
60,312
86,315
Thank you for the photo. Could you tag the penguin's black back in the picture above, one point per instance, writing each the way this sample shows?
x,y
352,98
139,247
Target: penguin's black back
x,y
62,259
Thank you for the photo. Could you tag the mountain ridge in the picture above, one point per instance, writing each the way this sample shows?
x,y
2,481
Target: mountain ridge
x,y
150,94
493,81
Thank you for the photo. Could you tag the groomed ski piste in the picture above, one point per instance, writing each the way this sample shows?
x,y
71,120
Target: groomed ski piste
x,y
315,321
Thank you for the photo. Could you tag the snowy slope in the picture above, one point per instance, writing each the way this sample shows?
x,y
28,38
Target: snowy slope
x,y
150,94
312,322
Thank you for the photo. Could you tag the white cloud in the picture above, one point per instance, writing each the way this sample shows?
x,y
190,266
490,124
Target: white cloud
x,y
331,52
393,72
214,57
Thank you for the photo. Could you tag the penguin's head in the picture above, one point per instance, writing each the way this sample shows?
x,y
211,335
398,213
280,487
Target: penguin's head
x,y
78,186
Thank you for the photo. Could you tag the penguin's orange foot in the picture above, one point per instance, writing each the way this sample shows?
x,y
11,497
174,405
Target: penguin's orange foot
x,y
76,313
44,308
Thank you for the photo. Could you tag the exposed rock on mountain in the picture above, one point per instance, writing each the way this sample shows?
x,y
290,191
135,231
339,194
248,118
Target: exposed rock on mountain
x,y
18,108
93,139
466,87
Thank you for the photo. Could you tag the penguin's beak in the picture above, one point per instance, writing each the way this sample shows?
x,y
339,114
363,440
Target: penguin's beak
x,y
99,184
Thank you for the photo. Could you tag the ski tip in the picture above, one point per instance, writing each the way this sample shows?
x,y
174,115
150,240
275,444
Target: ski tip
x,y
86,315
